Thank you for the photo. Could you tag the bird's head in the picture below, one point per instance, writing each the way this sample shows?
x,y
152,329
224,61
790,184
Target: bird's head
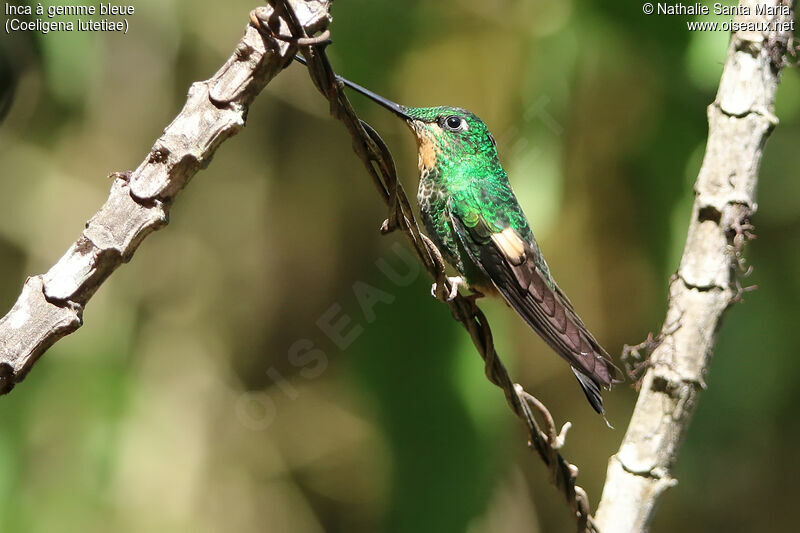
x,y
445,135
449,134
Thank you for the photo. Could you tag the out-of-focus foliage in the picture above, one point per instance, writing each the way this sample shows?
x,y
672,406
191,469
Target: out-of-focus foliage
x,y
204,394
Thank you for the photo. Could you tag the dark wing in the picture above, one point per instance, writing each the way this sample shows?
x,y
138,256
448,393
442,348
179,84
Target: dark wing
x,y
511,263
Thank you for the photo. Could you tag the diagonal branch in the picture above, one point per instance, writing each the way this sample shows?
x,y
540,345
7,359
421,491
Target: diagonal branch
x,y
379,164
707,281
51,305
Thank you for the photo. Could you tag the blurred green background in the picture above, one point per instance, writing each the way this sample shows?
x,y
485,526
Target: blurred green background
x,y
203,392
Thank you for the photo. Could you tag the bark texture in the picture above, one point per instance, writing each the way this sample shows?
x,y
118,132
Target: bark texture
x,y
51,305
740,119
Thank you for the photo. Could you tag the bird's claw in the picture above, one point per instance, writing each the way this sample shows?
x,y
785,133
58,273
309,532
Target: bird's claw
x,y
455,281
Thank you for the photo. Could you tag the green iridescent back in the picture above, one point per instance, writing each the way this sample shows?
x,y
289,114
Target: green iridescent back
x,y
464,179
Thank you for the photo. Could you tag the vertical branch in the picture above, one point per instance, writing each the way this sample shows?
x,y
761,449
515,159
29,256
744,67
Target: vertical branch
x,y
740,119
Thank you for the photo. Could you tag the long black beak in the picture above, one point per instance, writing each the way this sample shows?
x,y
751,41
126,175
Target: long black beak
x,y
397,109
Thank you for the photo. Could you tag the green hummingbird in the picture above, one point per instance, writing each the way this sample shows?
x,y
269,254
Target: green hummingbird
x,y
474,218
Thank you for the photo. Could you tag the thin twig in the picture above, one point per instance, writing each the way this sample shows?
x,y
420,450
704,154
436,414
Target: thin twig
x,y
378,161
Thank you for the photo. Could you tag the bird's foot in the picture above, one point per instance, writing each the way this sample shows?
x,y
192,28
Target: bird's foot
x,y
455,281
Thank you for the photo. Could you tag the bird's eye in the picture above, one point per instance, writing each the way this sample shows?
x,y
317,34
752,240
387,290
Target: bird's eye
x,y
453,123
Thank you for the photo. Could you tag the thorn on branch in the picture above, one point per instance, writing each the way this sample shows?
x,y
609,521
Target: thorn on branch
x,y
741,231
124,176
778,46
549,423
636,358
740,290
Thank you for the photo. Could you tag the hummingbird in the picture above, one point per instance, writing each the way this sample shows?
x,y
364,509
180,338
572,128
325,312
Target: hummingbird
x,y
474,218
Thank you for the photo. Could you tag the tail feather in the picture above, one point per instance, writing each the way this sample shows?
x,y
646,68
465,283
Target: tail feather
x,y
591,389
516,268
